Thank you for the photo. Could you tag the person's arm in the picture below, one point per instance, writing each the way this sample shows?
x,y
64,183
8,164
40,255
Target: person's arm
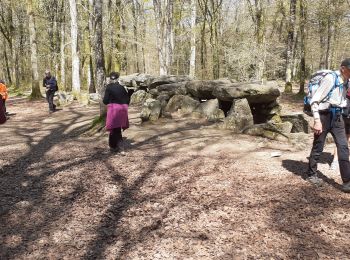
x,y
320,94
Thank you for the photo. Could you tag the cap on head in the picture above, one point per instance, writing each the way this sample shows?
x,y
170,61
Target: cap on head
x,y
114,75
2,81
346,63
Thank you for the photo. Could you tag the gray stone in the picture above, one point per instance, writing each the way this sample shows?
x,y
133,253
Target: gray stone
x,y
167,79
182,104
178,88
254,93
139,97
136,80
210,110
266,130
151,110
239,117
204,89
300,124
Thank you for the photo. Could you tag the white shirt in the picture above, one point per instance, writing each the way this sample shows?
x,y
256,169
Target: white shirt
x,y
337,98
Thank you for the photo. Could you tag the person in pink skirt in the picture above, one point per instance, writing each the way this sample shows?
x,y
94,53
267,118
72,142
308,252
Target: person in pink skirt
x,y
117,100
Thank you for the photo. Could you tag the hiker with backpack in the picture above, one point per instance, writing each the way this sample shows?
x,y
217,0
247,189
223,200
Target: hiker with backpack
x,y
327,98
117,100
50,84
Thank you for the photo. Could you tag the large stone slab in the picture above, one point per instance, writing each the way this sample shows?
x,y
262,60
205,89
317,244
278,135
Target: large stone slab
x,y
136,80
171,89
151,110
183,103
225,90
139,97
167,79
204,89
254,93
210,110
300,124
239,116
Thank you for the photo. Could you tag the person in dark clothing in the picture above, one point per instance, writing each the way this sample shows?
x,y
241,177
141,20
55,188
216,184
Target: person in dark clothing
x,y
50,83
327,109
117,100
3,116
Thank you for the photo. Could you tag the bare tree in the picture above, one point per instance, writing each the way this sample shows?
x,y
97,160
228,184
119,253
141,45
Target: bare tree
x,y
98,50
163,11
290,45
33,48
74,45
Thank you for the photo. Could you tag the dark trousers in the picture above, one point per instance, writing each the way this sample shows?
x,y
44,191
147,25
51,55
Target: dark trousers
x,y
115,136
4,101
49,97
333,124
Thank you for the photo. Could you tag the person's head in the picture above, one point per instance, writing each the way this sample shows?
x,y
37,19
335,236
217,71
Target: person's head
x,y
114,75
47,74
2,81
345,68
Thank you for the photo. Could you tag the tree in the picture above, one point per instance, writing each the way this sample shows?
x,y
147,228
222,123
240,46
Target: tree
x,y
98,50
290,46
193,39
74,47
303,16
33,48
163,12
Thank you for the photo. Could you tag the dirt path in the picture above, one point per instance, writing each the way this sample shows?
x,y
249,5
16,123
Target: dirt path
x,y
183,191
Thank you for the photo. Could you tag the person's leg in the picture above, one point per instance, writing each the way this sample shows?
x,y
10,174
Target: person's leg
x,y
318,144
51,95
341,141
113,138
4,102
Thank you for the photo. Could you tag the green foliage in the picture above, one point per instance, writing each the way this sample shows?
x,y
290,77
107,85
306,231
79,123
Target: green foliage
x,y
98,122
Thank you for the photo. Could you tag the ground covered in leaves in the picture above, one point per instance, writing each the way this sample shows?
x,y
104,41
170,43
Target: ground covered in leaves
x,y
185,190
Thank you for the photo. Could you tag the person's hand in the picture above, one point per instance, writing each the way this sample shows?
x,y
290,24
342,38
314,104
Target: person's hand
x,y
317,127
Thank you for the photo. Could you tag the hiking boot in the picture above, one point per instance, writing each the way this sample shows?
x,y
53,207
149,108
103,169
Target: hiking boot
x,y
334,165
346,187
113,150
314,179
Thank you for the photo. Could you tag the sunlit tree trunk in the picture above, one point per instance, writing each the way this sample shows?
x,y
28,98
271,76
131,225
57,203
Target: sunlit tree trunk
x,y
98,51
74,47
193,38
33,48
290,46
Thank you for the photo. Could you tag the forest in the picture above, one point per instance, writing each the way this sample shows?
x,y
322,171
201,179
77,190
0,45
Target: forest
x,y
82,41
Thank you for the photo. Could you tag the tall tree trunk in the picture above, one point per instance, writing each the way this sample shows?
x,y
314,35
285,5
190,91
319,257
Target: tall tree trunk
x,y
163,11
98,52
33,48
193,38
290,46
74,45
62,50
303,16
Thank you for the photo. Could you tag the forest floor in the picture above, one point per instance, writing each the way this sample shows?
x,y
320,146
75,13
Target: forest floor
x,y
184,190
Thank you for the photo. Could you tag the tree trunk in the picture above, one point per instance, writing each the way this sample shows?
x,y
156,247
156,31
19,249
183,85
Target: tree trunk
x,y
165,34
74,47
62,50
193,39
33,48
290,46
302,47
98,52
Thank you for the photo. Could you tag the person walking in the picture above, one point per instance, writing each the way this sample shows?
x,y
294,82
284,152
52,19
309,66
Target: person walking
x,y
326,107
4,94
117,100
50,84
